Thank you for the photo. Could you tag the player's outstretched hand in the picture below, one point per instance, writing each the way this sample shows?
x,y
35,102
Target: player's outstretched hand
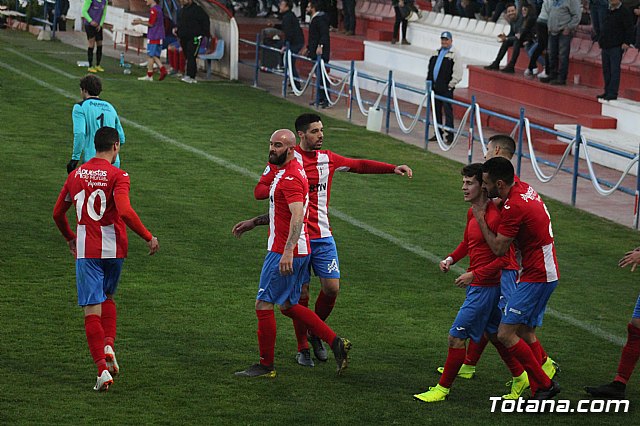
x,y
401,170
464,280
72,247
630,258
445,264
242,227
153,245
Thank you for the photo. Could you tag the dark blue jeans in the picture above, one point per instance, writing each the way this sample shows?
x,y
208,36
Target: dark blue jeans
x,y
349,10
611,59
559,48
598,10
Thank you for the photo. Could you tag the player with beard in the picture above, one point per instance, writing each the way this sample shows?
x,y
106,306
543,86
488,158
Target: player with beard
x,y
320,166
287,259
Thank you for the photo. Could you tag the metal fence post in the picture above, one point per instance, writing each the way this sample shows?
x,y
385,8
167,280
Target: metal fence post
x,y
472,126
318,79
390,80
576,165
255,77
520,138
427,121
286,69
351,78
637,205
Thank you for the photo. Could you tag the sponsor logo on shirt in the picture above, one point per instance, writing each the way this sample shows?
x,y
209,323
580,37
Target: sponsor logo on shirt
x,y
530,195
515,311
318,187
266,171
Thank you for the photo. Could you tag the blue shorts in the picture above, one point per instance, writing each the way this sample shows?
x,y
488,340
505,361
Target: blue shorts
x,y
478,313
95,278
276,288
528,303
636,311
324,259
154,50
508,280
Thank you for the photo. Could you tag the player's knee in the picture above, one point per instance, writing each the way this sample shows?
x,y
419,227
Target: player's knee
x,y
456,342
507,336
261,305
331,287
304,292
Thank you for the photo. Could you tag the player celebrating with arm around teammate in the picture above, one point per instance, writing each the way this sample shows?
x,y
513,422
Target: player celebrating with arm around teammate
x,y
320,166
287,259
479,314
525,220
100,193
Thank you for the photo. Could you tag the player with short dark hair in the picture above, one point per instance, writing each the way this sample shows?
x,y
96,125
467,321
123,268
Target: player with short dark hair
x,y
479,314
287,259
320,166
524,220
89,115
100,193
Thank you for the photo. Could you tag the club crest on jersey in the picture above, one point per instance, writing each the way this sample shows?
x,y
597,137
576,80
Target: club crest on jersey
x,y
333,266
266,171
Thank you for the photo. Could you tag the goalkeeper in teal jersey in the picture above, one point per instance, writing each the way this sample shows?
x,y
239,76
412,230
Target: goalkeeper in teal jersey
x,y
88,116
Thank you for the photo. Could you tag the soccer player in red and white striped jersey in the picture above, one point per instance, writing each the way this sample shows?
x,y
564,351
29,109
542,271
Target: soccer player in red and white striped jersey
x,y
100,192
287,259
525,221
320,166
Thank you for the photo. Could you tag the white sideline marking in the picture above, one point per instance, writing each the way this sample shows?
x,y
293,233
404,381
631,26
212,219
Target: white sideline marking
x,y
596,331
35,61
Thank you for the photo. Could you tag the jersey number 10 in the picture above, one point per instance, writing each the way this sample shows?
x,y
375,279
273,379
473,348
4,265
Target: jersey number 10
x,y
80,198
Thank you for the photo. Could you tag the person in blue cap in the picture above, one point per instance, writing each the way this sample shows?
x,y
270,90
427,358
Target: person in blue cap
x,y
445,71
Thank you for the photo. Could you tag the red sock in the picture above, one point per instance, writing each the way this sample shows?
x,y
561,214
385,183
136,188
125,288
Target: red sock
x,y
109,319
300,328
512,364
266,336
474,350
537,378
163,70
312,321
324,305
630,354
95,339
538,352
149,73
452,365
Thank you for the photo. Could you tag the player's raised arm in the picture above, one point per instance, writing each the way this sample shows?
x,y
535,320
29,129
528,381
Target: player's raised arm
x,y
630,258
261,191
353,165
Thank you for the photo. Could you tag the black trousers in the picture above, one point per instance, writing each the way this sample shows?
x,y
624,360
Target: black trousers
x,y
190,50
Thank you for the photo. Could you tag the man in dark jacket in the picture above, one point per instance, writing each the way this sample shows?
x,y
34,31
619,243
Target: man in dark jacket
x,y
445,71
616,35
293,35
520,31
319,42
193,26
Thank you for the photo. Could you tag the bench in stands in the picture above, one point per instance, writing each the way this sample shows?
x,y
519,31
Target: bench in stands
x,y
215,54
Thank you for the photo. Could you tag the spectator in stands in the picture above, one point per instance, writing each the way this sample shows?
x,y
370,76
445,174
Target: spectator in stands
x,y
563,17
401,20
193,26
445,71
155,34
62,15
303,11
93,14
290,26
597,10
519,31
349,12
616,36
319,43
542,41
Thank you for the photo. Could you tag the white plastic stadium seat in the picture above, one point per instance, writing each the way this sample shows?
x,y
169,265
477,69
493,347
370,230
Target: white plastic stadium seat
x,y
500,29
472,26
480,26
439,17
446,22
453,25
462,24
488,29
